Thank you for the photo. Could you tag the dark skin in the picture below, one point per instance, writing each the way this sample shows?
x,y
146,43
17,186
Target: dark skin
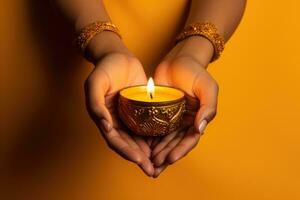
x,y
184,67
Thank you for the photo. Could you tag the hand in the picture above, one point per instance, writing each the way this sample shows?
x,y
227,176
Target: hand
x,y
185,68
113,71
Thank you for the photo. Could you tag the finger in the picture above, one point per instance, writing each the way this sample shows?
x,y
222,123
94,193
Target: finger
x,y
95,89
125,136
208,97
189,141
118,144
203,117
136,142
160,158
140,141
149,141
163,143
155,142
160,169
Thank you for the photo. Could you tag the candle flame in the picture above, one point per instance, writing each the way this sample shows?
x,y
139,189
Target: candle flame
x,y
150,88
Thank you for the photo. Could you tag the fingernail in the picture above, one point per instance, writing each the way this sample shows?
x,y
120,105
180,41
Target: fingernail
x,y
105,125
202,126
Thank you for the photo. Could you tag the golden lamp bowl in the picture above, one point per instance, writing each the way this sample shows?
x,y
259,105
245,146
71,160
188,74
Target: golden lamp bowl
x,y
151,118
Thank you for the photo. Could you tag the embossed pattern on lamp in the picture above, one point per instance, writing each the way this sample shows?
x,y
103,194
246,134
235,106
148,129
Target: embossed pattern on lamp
x,y
151,110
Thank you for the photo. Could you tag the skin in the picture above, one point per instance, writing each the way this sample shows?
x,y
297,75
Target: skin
x,y
184,67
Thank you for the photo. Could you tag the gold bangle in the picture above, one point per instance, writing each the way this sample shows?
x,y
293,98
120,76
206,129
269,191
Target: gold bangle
x,y
87,33
207,30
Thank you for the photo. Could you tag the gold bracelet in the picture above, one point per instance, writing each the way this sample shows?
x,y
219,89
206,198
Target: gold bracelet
x,y
207,30
87,33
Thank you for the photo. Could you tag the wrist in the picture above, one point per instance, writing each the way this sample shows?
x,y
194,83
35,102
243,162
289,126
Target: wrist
x,y
197,47
104,43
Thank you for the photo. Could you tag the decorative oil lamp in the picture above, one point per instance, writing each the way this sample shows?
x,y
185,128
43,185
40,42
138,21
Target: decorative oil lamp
x,y
151,110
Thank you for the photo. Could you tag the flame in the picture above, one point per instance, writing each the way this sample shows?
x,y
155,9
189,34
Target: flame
x,y
150,88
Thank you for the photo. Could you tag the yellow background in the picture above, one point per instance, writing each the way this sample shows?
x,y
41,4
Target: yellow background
x,y
50,149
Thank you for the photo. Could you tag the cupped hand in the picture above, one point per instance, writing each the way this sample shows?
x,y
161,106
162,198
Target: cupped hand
x,y
113,72
185,69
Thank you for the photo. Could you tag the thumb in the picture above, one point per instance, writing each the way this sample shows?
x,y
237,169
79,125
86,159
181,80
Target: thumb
x,y
102,117
207,93
203,117
95,91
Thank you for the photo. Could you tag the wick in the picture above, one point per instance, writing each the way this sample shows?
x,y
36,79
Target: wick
x,y
151,95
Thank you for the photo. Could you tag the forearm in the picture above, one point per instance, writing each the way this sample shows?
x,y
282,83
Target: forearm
x,y
80,13
224,14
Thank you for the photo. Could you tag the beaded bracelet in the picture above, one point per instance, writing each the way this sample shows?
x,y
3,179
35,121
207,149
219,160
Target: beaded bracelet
x,y
87,33
207,30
